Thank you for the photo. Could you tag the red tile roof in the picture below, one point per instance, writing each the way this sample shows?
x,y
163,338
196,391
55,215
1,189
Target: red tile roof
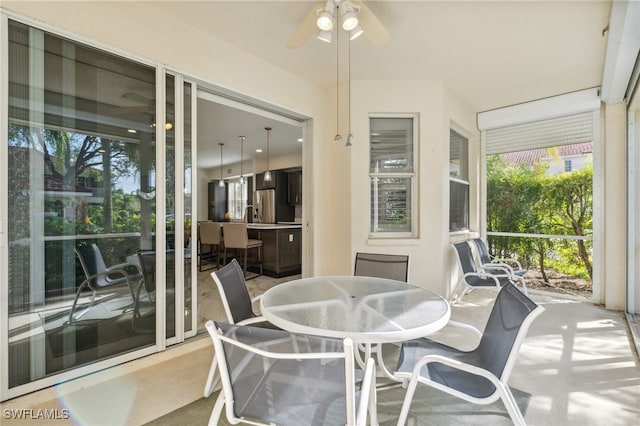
x,y
533,156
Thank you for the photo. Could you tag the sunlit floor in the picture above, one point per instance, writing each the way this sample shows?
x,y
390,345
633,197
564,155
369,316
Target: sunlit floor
x,y
576,367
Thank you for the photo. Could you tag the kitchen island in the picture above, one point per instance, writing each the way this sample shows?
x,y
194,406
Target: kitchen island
x,y
281,247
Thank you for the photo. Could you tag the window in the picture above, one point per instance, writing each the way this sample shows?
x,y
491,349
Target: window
x,y
392,174
458,182
237,199
567,165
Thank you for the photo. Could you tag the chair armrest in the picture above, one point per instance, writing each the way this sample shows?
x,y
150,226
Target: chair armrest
x,y
507,261
125,267
506,271
253,320
465,326
482,275
499,265
107,273
427,359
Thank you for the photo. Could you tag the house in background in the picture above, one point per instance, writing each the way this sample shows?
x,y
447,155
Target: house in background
x,y
561,159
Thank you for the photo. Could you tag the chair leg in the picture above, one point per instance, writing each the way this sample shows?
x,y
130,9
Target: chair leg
x,y
511,405
75,300
212,378
246,252
217,410
406,404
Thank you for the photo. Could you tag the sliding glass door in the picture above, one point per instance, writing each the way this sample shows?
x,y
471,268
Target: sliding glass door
x,y
97,209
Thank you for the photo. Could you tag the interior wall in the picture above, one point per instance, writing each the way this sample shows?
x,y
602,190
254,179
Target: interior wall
x,y
429,264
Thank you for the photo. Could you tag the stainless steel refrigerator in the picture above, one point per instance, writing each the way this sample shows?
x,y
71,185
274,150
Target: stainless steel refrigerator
x,y
266,205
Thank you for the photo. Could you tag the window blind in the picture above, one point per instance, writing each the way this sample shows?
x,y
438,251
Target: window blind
x,y
566,130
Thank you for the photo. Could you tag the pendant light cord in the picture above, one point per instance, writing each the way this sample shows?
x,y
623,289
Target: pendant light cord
x,y
268,129
337,136
349,84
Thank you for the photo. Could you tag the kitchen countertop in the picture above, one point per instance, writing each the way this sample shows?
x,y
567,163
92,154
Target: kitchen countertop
x,y
274,226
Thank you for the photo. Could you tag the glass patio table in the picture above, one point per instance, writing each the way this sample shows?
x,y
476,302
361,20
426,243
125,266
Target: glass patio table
x,y
368,310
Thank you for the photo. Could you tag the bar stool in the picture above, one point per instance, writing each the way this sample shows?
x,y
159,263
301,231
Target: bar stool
x,y
210,235
236,237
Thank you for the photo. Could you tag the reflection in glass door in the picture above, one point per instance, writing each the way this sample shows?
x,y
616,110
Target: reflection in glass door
x,y
81,205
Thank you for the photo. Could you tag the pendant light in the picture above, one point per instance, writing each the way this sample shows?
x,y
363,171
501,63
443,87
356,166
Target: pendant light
x,y
221,181
267,174
241,159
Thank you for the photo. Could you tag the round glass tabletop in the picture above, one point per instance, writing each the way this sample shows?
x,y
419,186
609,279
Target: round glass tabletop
x,y
365,309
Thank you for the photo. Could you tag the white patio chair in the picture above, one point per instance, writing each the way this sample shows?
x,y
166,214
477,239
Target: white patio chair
x,y
268,379
392,266
238,306
98,276
486,260
479,376
380,265
475,276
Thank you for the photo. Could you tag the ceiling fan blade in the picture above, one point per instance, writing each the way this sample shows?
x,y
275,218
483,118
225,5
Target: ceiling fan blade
x,y
373,28
131,110
305,29
136,97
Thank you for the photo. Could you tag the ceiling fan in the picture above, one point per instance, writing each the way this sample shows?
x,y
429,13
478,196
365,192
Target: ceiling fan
x,y
146,106
354,16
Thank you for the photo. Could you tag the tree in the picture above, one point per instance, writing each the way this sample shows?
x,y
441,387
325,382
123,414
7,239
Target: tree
x,y
570,197
71,157
523,199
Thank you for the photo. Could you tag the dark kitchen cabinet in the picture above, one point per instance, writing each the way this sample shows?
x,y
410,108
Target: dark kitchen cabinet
x,y
217,202
262,184
295,187
281,250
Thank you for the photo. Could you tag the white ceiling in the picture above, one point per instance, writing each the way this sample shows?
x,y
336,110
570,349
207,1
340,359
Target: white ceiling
x,y
489,53
220,123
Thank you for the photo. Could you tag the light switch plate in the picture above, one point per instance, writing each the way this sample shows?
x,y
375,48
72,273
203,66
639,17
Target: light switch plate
x,y
290,237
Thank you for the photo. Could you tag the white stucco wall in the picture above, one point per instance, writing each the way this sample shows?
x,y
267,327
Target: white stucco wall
x,y
436,108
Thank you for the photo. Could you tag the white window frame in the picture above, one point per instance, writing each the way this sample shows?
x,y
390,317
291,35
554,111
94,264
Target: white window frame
x,y
413,196
244,200
459,179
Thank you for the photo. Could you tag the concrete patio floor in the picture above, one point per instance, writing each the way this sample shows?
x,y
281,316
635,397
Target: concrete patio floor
x,y
578,366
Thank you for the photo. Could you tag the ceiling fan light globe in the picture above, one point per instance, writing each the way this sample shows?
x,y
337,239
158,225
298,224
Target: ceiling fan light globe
x,y
325,21
325,36
356,32
349,21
